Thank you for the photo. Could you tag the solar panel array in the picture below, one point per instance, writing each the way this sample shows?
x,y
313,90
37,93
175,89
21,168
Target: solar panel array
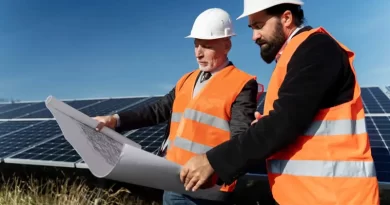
x,y
377,107
30,135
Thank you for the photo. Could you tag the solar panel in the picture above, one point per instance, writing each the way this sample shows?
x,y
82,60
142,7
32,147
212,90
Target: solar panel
x,y
55,152
33,107
150,138
83,103
58,151
144,103
45,113
12,106
109,106
375,100
378,129
16,141
13,126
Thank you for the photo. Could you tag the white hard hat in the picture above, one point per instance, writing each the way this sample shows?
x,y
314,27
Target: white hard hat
x,y
213,23
254,6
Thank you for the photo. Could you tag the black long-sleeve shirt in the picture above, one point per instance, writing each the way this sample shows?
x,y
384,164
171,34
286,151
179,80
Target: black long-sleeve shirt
x,y
242,111
318,76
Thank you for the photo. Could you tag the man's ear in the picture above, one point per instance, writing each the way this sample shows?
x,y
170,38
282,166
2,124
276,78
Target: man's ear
x,y
228,45
287,19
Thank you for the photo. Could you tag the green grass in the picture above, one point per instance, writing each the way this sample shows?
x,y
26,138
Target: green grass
x,y
15,191
63,192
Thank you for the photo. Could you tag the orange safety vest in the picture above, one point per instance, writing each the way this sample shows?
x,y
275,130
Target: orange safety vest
x,y
331,163
201,122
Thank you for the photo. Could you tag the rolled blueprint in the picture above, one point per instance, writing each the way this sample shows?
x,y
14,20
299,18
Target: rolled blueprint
x,y
110,155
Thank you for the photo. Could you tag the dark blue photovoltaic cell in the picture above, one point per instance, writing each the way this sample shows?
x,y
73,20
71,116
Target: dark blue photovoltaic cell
x,y
57,149
12,106
144,103
150,138
375,100
260,106
382,98
378,129
34,107
11,126
77,104
27,137
61,150
109,106
45,113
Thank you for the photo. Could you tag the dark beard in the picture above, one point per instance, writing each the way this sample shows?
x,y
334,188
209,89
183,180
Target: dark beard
x,y
274,45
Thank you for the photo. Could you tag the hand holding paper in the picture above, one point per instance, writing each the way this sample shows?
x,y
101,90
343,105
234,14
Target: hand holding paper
x,y
105,121
113,156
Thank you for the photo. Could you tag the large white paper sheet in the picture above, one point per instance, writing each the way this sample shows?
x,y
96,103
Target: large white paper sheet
x,y
110,155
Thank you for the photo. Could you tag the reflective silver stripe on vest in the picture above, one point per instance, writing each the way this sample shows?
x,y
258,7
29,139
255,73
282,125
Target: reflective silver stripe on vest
x,y
176,116
336,127
319,168
202,117
207,119
191,146
188,145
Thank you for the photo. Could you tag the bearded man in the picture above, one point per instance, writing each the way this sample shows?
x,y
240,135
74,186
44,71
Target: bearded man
x,y
313,133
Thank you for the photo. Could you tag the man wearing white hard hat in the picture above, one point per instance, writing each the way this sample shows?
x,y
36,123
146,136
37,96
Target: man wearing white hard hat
x,y
208,106
312,134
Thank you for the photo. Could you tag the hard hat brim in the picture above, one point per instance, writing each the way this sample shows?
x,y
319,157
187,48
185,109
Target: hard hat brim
x,y
245,14
210,37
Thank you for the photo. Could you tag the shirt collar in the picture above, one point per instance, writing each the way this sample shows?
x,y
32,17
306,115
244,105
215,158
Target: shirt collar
x,y
294,32
288,40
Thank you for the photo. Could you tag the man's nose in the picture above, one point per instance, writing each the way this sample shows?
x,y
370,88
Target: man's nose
x,y
256,35
199,52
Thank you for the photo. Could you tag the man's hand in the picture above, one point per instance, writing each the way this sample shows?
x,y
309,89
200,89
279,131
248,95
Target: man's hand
x,y
257,116
196,172
108,121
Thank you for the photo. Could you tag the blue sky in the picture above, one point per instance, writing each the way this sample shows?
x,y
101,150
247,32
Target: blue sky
x,y
111,48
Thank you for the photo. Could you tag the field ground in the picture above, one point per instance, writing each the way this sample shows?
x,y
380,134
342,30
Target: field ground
x,y
33,185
